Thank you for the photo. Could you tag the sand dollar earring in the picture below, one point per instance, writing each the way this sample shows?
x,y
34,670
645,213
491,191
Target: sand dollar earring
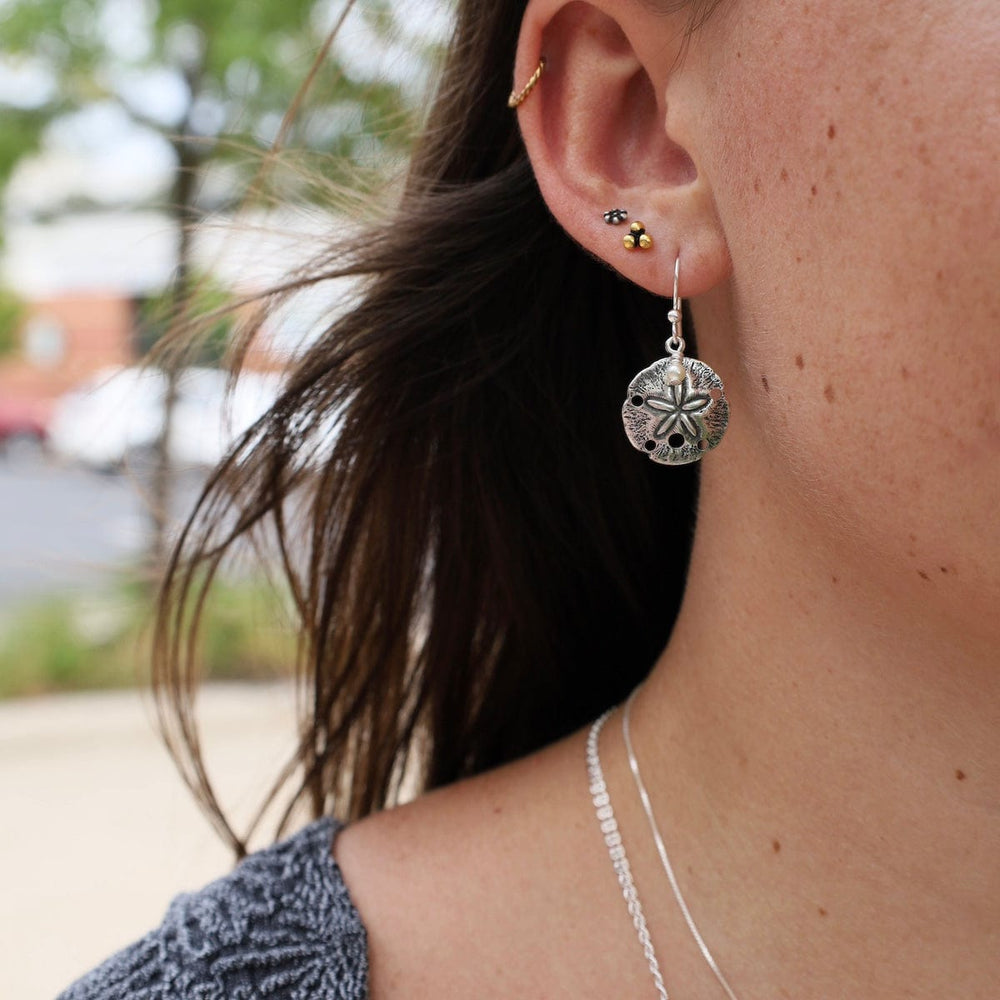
x,y
676,409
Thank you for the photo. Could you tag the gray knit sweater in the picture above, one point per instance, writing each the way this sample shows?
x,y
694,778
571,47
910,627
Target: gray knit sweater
x,y
281,926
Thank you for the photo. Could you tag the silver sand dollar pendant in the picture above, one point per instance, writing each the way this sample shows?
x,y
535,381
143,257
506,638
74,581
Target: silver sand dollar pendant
x,y
676,409
675,421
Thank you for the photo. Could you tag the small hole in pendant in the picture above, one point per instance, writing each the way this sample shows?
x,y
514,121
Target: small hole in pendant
x,y
716,395
637,401
702,445
676,440
650,446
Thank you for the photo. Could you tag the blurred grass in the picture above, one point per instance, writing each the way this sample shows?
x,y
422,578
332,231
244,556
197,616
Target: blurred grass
x,y
98,640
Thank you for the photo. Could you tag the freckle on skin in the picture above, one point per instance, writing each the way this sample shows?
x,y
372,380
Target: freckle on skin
x,y
763,382
829,393
784,174
831,131
812,190
922,575
836,579
944,569
776,846
822,912
799,361
939,276
905,372
960,775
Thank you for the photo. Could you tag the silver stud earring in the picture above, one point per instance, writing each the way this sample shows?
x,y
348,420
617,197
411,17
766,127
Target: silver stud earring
x,y
676,409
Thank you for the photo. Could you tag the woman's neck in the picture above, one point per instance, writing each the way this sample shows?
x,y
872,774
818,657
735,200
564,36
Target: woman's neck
x,y
833,756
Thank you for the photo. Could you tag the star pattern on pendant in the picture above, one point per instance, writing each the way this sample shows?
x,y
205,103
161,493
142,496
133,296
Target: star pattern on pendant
x,y
681,404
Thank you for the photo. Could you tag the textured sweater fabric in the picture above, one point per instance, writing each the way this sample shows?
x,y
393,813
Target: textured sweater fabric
x,y
281,926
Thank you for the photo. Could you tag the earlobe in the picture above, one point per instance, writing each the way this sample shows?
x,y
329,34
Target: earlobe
x,y
594,128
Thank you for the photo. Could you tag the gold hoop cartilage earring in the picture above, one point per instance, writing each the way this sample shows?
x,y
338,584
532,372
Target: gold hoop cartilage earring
x,y
637,238
517,98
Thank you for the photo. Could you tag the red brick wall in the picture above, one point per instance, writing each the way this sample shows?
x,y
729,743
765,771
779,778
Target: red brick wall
x,y
64,340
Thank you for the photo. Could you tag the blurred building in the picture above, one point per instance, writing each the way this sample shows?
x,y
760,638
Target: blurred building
x,y
80,278
63,340
83,279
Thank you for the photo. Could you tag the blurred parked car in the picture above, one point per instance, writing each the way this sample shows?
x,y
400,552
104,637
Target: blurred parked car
x,y
113,420
23,428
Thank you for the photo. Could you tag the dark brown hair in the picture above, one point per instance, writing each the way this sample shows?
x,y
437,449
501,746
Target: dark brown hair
x,y
479,562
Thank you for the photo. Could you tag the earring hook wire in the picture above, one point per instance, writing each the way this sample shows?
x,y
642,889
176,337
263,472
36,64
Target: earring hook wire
x,y
675,344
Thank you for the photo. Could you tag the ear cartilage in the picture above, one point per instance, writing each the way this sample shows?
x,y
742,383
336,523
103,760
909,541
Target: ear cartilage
x,y
615,216
638,238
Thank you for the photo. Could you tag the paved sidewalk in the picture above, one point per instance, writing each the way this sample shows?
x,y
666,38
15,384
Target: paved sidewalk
x,y
97,833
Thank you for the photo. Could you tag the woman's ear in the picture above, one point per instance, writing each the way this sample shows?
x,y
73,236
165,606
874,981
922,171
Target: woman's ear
x,y
596,131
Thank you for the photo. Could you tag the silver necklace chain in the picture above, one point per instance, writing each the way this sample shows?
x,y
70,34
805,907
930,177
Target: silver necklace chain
x,y
616,849
633,764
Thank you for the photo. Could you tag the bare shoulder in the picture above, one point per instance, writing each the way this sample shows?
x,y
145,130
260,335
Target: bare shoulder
x,y
452,885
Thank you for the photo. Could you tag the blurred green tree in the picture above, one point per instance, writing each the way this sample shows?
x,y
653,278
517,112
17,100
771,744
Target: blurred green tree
x,y
12,312
154,319
224,83
216,78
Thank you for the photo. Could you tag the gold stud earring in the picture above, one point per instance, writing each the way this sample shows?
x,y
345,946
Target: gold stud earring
x,y
637,237
517,98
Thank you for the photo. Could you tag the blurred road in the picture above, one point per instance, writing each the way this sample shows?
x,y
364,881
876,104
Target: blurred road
x,y
97,832
67,527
